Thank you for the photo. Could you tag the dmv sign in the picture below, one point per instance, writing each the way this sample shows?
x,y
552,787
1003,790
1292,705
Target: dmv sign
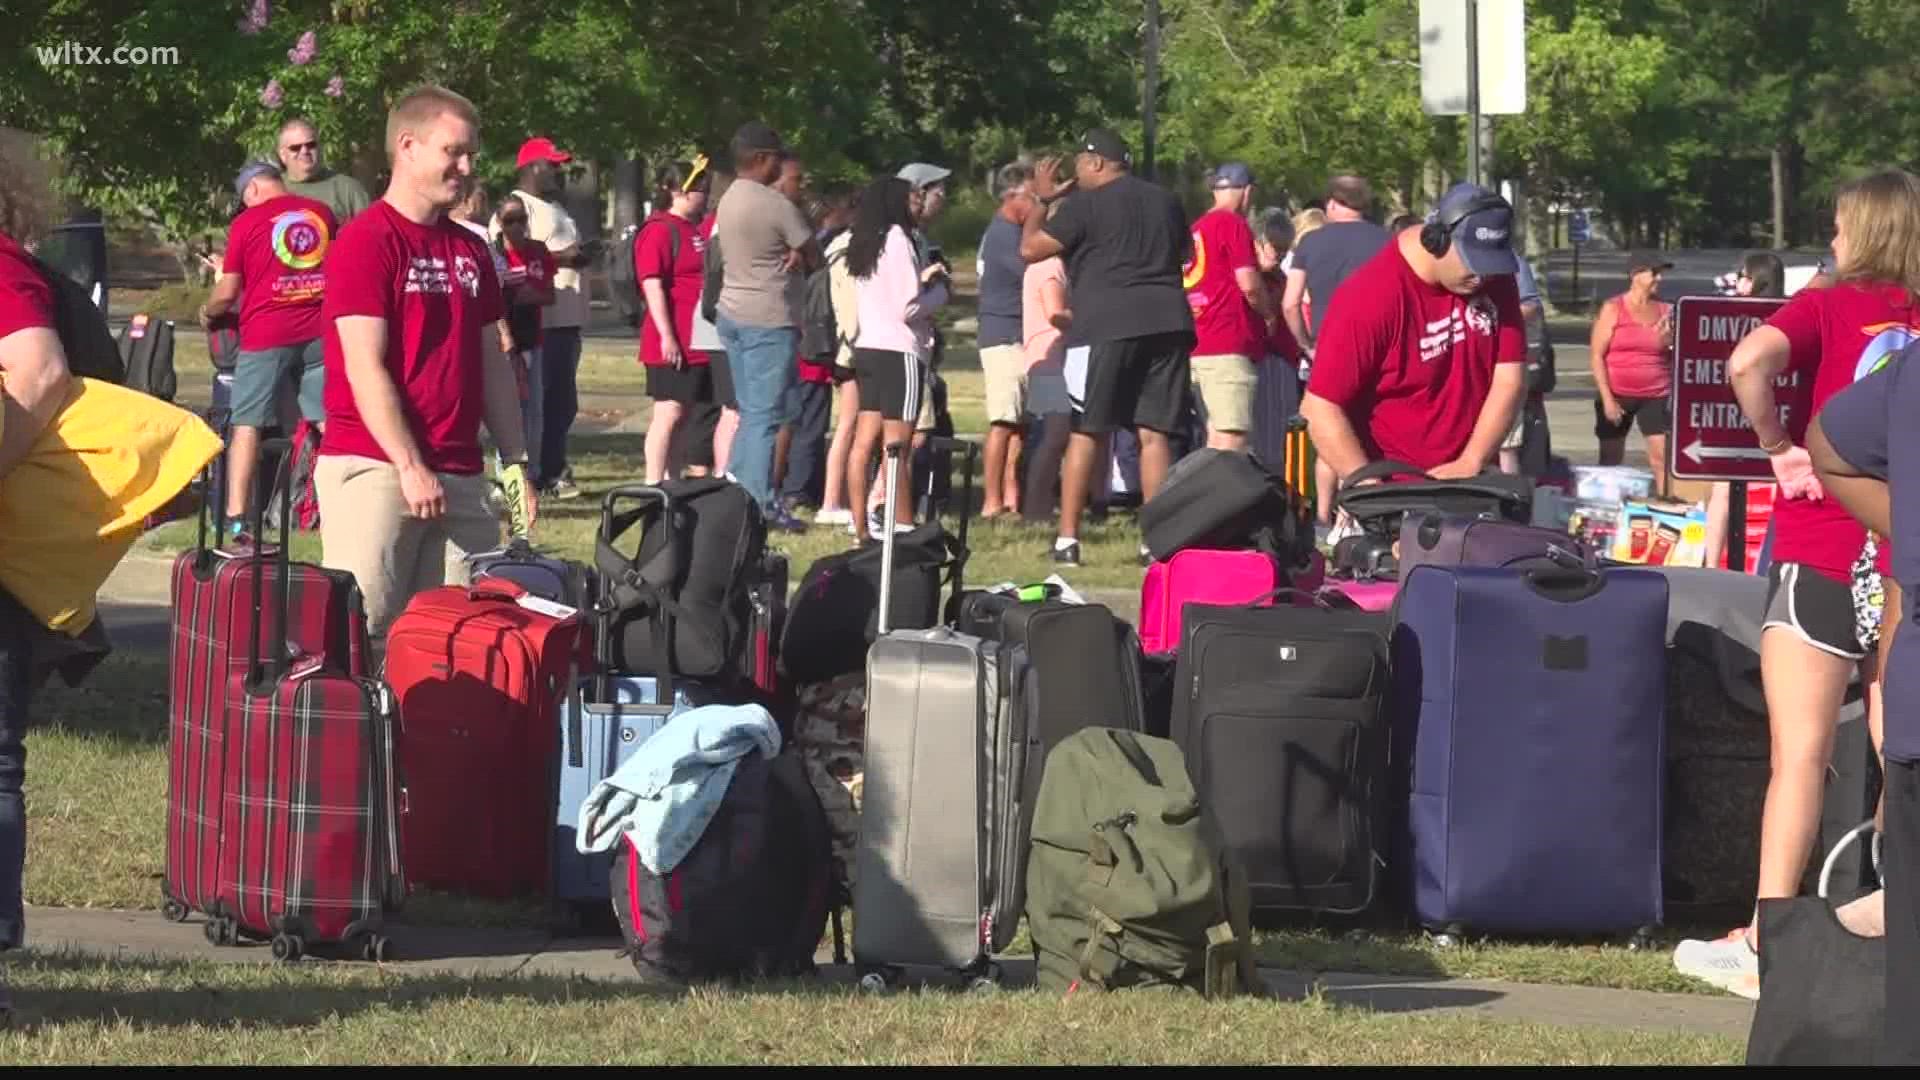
x,y
1711,438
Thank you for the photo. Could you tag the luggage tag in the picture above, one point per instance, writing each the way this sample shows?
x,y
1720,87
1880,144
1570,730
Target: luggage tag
x,y
137,327
544,606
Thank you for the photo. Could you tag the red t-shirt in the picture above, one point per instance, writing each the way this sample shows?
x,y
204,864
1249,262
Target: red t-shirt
x,y
1836,335
1412,363
278,248
26,301
532,272
1280,339
436,287
1223,322
652,253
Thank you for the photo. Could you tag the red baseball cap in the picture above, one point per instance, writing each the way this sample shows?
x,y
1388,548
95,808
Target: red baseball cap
x,y
541,148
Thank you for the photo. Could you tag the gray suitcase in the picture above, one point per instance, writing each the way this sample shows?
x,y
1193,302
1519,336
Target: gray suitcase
x,y
926,893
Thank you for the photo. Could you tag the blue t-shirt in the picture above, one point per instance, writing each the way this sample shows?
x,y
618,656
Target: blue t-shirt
x,y
1870,424
1001,272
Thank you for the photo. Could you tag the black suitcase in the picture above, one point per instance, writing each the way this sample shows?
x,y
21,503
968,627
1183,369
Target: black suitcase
x,y
1281,713
1219,499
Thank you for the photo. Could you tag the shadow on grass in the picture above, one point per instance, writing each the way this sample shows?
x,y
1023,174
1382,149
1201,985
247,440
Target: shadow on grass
x,y
124,699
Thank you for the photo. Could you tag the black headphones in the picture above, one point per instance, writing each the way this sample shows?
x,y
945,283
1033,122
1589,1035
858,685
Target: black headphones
x,y
1437,236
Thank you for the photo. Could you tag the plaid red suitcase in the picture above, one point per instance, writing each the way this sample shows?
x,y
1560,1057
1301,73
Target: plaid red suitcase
x,y
212,613
309,834
480,672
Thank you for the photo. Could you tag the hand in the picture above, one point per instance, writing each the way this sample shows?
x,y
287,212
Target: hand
x,y
1612,409
212,263
670,352
933,271
523,504
1457,469
1794,469
1665,329
793,260
206,320
421,490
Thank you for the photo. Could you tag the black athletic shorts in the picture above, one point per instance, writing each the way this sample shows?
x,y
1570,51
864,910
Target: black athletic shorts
x,y
722,379
691,385
1815,607
1651,412
891,383
1139,382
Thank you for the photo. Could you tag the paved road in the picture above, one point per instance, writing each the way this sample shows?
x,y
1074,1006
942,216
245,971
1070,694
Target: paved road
x,y
1604,273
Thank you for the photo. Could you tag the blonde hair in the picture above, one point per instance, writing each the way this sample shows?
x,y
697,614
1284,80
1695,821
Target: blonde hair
x,y
1880,215
420,107
1306,221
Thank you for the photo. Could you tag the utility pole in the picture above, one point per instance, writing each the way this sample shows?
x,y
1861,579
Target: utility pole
x,y
1150,88
1473,93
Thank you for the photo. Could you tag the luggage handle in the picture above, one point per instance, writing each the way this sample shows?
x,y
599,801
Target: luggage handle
x,y
259,680
1288,590
948,444
1565,585
890,456
662,618
489,587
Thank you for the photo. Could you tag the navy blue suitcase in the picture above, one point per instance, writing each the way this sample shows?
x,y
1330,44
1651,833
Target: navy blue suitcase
x,y
602,723
1529,719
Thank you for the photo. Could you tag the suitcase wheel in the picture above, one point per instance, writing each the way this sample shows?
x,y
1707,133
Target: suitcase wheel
x,y
173,911
1641,940
287,947
1449,937
984,979
376,949
220,931
878,980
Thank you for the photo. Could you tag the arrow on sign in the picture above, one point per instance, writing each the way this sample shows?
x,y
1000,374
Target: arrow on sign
x,y
1699,451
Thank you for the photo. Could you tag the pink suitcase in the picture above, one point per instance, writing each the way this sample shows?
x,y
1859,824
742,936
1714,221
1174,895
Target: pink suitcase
x,y
1199,576
1373,595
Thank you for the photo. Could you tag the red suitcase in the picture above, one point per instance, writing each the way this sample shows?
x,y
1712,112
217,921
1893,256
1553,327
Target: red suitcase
x,y
480,672
309,836
212,613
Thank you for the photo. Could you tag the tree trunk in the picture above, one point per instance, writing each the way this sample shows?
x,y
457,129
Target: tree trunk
x,y
1779,196
629,191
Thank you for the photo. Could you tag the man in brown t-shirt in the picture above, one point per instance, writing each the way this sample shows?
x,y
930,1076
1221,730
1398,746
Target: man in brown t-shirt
x,y
765,242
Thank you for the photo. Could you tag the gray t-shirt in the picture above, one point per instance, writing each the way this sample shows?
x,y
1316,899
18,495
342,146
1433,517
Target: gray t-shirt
x,y
1002,272
342,193
1331,252
756,226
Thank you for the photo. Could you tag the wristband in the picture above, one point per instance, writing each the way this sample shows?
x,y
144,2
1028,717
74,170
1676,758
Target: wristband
x,y
1785,444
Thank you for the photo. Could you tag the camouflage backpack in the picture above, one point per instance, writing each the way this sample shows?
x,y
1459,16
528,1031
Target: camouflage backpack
x,y
1128,883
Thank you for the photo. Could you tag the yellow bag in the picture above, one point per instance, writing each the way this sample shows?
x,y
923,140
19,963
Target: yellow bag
x,y
73,507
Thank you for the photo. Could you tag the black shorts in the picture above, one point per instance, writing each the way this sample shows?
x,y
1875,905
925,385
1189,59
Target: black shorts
x,y
1139,382
842,373
891,383
722,379
1652,413
1815,607
691,385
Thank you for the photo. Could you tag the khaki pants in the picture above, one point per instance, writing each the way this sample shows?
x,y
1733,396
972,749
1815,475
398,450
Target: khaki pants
x,y
365,529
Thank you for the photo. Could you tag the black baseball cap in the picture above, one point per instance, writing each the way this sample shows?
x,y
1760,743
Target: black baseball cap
x,y
755,137
1108,144
1647,260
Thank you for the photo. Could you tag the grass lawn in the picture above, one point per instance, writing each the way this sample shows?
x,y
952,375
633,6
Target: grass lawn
x,y
85,1010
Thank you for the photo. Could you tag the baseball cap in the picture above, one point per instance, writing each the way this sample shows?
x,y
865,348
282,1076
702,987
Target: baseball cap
x,y
756,137
541,148
1108,144
1647,260
1485,236
1233,174
920,174
251,170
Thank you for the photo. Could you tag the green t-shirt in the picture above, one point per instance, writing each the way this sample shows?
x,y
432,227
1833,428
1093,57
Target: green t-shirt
x,y
342,193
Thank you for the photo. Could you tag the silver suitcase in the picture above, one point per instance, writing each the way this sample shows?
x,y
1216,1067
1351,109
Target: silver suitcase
x,y
924,891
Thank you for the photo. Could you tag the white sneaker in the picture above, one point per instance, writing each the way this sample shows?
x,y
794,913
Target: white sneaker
x,y
1728,963
837,516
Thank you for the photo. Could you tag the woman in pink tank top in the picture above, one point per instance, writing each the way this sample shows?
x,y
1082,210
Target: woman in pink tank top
x,y
1631,354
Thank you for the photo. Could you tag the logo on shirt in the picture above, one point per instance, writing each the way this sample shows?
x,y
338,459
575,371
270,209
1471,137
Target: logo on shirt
x,y
1197,269
467,273
429,275
1885,340
299,239
536,271
1441,335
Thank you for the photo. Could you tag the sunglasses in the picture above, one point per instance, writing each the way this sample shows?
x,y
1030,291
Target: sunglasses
x,y
513,219
300,148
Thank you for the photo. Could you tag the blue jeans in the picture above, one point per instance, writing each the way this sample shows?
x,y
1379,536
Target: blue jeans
x,y
17,632
559,375
763,365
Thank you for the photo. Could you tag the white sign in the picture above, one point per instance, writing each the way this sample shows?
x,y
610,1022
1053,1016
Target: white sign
x,y
1502,49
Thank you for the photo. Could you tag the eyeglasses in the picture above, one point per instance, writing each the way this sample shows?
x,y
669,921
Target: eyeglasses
x,y
304,148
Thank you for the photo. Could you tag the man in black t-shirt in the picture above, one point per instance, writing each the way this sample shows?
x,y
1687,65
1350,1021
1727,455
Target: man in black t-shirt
x,y
1124,241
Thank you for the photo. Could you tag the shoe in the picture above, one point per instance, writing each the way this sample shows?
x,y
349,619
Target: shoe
x,y
780,518
562,488
1728,963
1146,557
1066,556
839,515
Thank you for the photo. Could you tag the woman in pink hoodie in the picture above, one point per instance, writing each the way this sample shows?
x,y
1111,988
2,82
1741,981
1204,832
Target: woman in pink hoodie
x,y
896,297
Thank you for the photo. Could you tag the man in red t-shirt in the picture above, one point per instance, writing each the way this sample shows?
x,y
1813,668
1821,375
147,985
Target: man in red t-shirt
x,y
413,367
1422,355
274,272
1230,310
34,381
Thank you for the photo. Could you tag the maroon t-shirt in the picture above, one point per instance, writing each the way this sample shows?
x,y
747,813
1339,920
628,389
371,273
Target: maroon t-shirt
x,y
681,275
435,286
279,249
26,301
1412,363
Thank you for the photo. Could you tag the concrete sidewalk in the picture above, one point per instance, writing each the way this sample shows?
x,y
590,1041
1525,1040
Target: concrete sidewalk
x,y
138,935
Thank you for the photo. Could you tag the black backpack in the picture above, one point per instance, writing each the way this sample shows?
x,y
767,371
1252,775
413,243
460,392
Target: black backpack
x,y
751,899
819,329
625,274
145,345
85,337
682,603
